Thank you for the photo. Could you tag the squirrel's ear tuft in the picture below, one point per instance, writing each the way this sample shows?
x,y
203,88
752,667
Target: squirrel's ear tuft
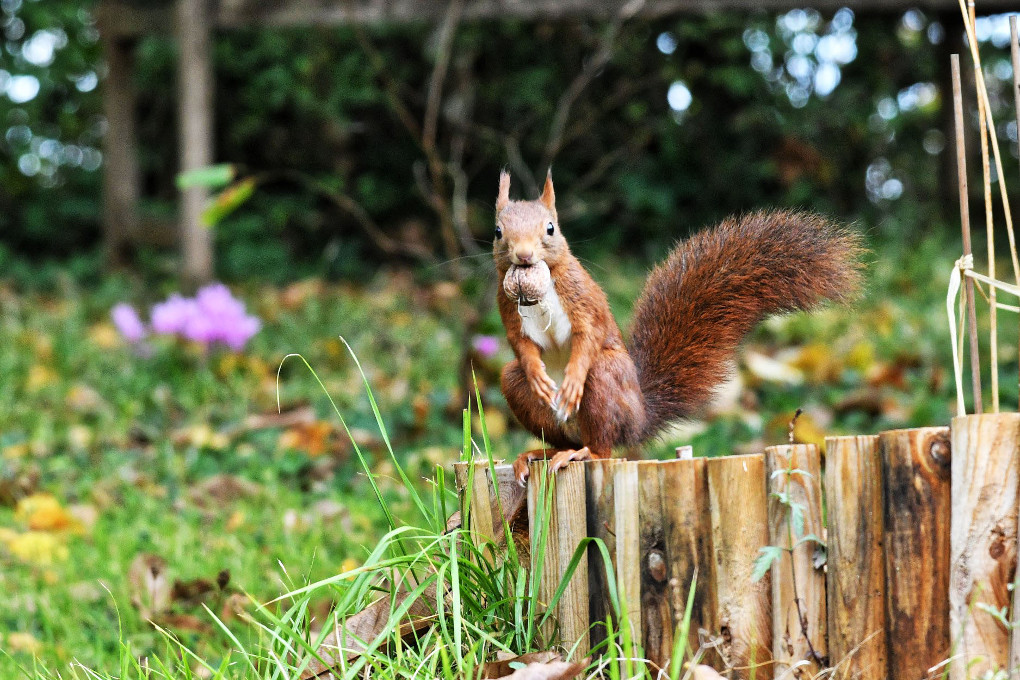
x,y
548,197
503,197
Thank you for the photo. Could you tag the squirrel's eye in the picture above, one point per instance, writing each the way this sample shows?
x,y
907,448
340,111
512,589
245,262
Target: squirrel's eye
x,y
550,229
499,233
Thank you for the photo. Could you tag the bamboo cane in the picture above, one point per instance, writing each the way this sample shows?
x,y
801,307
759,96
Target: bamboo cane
x,y
961,173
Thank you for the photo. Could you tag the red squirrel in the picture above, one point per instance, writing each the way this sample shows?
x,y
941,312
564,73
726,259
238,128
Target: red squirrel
x,y
579,388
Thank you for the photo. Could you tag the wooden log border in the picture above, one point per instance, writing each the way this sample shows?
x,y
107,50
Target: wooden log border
x,y
909,551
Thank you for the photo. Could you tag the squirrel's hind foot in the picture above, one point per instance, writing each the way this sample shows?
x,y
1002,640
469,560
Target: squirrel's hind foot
x,y
560,460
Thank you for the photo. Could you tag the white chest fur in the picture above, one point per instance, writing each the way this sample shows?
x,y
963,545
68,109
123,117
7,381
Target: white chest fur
x,y
549,326
546,322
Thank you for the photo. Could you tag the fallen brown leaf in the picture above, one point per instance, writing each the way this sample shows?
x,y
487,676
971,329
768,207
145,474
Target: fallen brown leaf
x,y
150,585
350,640
557,670
702,672
312,438
182,622
220,490
263,421
502,667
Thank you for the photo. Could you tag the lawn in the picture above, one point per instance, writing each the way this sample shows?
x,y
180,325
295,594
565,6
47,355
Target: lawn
x,y
129,467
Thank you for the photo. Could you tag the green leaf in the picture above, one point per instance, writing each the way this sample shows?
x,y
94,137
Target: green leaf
x,y
797,518
809,537
209,177
229,200
790,472
764,561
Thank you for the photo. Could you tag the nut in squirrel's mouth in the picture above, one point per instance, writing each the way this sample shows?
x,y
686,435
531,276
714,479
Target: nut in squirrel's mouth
x,y
527,284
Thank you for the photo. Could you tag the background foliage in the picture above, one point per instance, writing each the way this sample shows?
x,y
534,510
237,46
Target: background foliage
x,y
840,113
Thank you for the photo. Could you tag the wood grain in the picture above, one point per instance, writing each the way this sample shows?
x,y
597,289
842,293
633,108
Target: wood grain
x,y
798,587
687,531
985,482
916,489
858,646
626,509
557,501
600,508
505,499
572,529
739,510
656,607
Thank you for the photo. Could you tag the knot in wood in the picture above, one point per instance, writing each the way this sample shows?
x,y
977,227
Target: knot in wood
x,y
940,450
657,565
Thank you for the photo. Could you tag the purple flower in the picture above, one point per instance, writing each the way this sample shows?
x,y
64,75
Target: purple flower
x,y
238,333
173,315
216,302
126,319
485,345
213,315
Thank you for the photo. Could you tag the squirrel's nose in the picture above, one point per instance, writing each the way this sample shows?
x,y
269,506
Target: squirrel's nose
x,y
525,256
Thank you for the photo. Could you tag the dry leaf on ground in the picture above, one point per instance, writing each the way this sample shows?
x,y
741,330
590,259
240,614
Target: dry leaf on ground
x,y
505,664
150,585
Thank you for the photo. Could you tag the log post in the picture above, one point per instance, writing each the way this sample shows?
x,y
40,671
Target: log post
x,y
656,609
687,526
916,483
985,482
798,587
739,509
505,498
858,647
599,499
195,112
626,510
564,520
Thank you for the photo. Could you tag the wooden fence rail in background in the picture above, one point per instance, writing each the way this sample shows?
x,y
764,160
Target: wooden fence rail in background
x,y
907,576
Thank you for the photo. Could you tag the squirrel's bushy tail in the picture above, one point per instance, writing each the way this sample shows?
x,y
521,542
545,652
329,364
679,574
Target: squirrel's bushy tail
x,y
715,287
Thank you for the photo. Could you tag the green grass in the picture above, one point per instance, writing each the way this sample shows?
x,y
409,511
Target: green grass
x,y
132,437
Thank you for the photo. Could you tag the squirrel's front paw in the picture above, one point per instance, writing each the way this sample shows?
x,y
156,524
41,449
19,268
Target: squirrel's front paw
x,y
543,386
521,468
568,399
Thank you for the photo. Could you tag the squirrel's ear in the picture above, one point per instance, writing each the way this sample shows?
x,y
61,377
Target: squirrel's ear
x,y
503,197
548,197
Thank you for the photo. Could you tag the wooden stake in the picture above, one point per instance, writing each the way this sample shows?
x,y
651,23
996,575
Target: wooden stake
x,y
739,507
858,647
600,503
656,600
798,587
993,311
506,503
961,173
481,493
567,525
542,517
626,505
916,482
687,524
985,482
